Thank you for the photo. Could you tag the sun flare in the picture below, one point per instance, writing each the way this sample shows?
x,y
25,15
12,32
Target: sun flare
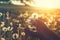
x,y
45,3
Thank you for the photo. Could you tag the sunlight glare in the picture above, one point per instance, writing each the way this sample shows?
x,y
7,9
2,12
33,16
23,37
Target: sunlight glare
x,y
45,3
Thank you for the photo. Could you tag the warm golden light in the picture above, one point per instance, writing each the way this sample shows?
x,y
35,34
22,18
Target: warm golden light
x,y
45,3
34,15
47,18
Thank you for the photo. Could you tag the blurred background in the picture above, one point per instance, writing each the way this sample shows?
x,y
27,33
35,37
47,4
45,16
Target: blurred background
x,y
16,15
